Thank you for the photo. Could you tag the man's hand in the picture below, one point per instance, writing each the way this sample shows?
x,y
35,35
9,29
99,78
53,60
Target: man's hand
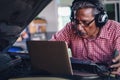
x,y
116,65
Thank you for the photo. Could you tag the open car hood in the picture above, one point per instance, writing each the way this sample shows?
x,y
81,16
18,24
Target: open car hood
x,y
15,15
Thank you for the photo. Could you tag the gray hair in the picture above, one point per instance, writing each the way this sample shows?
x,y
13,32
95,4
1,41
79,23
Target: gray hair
x,y
85,4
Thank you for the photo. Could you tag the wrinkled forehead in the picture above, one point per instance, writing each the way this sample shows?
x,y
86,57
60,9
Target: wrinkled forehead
x,y
85,13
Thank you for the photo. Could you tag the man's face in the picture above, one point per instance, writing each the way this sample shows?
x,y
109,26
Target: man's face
x,y
86,23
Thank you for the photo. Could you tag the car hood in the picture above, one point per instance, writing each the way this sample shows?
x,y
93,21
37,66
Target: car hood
x,y
15,15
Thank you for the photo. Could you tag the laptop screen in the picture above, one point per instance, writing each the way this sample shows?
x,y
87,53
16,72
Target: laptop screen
x,y
50,56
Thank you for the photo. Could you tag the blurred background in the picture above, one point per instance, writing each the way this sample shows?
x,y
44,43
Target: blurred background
x,y
54,17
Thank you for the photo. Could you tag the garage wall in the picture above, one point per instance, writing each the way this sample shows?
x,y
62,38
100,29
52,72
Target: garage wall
x,y
51,15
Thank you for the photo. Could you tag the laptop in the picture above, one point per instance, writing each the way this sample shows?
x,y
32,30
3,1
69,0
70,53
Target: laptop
x,y
50,56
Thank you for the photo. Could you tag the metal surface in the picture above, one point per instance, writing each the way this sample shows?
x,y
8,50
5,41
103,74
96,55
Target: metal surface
x,y
15,15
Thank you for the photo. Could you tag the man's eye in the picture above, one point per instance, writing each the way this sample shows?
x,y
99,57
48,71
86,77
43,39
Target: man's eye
x,y
85,22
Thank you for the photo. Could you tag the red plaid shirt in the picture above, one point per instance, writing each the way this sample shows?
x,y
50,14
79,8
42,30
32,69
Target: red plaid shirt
x,y
98,50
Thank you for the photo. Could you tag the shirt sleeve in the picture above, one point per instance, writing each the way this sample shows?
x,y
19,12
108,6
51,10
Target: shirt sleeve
x,y
117,38
63,34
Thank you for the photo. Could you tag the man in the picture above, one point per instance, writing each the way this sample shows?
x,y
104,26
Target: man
x,y
90,35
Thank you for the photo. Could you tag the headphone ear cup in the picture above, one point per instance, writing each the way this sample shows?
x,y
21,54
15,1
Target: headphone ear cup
x,y
101,19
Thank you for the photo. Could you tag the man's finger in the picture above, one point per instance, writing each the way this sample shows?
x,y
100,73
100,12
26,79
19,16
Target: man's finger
x,y
115,65
116,59
117,72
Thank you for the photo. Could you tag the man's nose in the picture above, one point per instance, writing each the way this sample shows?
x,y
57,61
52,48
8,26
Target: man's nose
x,y
80,27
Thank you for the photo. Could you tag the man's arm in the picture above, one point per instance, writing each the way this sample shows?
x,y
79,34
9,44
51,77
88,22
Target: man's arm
x,y
116,59
63,35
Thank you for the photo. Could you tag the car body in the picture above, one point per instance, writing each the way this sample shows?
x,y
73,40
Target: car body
x,y
15,15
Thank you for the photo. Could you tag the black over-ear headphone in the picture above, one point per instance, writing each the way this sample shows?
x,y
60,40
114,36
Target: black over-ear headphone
x,y
100,19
